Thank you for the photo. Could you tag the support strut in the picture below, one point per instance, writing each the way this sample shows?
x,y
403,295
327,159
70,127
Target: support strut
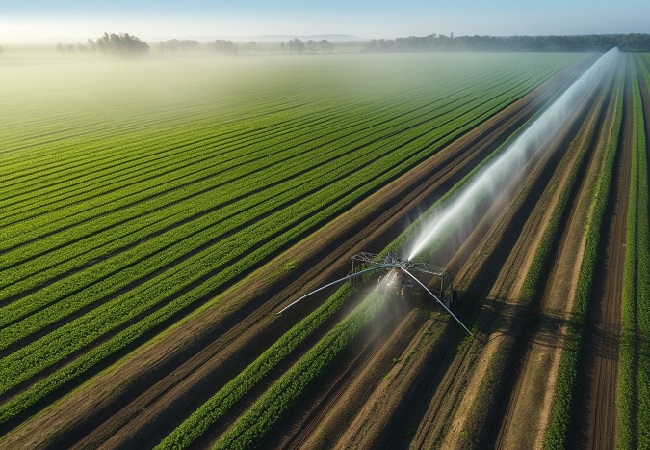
x,y
328,285
438,300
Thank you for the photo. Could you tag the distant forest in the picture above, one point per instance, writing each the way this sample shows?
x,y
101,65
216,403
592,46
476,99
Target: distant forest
x,y
126,45
635,42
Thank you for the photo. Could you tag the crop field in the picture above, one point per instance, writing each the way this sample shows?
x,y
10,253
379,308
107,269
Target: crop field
x,y
156,215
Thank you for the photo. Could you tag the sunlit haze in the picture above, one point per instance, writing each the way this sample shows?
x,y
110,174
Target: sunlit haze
x,y
76,21
489,183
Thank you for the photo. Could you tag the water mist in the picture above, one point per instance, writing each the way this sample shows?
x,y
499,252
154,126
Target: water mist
x,y
492,180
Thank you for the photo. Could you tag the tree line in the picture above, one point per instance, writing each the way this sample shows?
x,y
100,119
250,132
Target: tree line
x,y
127,45
122,44
634,42
311,46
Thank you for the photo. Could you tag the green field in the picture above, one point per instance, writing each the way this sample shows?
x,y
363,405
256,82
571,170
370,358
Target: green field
x,y
131,193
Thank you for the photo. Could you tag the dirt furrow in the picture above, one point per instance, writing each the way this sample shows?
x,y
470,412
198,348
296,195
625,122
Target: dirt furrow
x,y
325,426
595,410
383,420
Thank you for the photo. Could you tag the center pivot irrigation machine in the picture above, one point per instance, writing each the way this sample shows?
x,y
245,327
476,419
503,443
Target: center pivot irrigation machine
x,y
396,278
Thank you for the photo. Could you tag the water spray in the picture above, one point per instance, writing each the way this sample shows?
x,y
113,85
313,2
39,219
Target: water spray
x,y
486,185
493,179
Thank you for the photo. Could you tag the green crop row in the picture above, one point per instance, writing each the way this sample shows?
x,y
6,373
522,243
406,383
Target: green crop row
x,y
253,426
118,201
28,361
70,186
83,249
643,308
267,145
634,358
301,216
131,202
88,360
163,219
563,398
219,404
81,289
626,398
550,239
111,147
643,274
248,143
48,295
457,81
116,289
143,153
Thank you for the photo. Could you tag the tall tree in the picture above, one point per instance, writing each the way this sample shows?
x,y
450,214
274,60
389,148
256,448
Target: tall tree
x,y
82,48
122,44
296,46
312,46
224,47
326,46
92,46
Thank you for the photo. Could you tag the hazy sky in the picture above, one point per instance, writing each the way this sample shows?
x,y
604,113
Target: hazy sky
x,y
153,20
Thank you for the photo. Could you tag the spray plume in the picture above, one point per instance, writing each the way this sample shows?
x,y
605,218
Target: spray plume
x,y
496,176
